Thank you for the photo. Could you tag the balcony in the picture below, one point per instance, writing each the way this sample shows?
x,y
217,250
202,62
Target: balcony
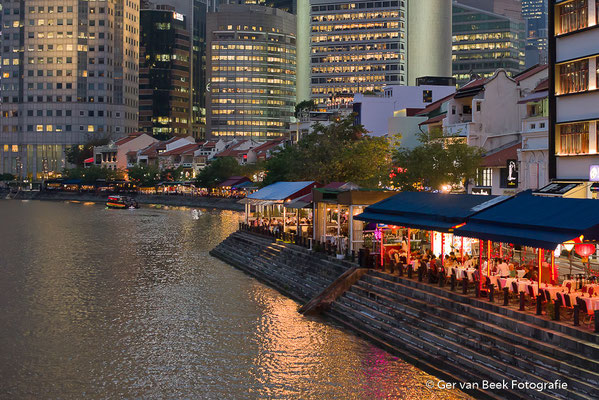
x,y
463,129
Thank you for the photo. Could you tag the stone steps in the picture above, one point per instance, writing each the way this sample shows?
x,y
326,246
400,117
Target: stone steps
x,y
498,355
513,323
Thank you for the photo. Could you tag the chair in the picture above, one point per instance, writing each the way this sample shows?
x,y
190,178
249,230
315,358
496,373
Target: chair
x,y
583,309
569,286
515,291
591,291
547,295
533,298
566,304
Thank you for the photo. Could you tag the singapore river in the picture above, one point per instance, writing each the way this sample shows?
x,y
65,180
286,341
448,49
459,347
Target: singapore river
x,y
111,304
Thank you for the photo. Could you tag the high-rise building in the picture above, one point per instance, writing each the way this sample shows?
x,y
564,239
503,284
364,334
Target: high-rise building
x,y
251,70
164,73
69,75
484,41
573,96
361,46
534,13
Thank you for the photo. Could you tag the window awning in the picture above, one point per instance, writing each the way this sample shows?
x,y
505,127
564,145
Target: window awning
x,y
535,96
536,221
430,211
88,160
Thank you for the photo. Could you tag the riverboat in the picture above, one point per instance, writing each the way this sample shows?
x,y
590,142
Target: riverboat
x,y
121,202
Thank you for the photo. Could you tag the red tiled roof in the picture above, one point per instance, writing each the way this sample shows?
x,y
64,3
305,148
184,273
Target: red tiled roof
x,y
473,84
542,86
499,158
233,151
433,106
181,150
132,153
530,72
264,147
433,120
152,149
127,138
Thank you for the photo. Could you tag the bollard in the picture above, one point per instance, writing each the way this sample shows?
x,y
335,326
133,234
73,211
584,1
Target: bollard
x,y
452,280
476,288
410,271
429,277
465,286
361,257
539,305
491,292
556,305
576,315
506,296
442,279
420,272
521,301
353,256
596,321
400,269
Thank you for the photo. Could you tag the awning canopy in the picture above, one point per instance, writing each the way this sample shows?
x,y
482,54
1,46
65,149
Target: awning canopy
x,y
301,202
88,160
536,221
281,191
234,180
558,189
535,96
430,211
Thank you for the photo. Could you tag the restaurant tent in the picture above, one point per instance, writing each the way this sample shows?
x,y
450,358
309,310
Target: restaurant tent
x,y
535,221
429,211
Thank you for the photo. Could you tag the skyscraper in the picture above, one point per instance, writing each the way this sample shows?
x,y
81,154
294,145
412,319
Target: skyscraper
x,y
69,75
164,73
484,41
534,13
251,69
360,46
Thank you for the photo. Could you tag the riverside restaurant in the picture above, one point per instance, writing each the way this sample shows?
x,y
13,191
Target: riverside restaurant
x,y
498,243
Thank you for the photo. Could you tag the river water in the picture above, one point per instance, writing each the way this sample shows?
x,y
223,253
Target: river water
x,y
108,304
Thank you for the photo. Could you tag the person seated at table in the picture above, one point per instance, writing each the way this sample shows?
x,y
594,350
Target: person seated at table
x,y
512,268
529,272
467,261
503,270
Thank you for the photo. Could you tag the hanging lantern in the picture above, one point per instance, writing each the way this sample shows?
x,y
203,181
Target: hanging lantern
x,y
569,245
585,249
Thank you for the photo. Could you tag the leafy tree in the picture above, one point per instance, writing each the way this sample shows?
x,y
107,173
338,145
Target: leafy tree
x,y
309,105
76,154
171,174
92,174
7,177
341,151
144,175
436,162
218,171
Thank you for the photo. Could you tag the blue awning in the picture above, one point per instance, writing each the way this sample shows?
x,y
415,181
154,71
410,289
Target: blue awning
x,y
431,211
536,221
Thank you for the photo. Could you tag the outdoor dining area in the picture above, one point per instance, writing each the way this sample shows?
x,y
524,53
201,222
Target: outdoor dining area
x,y
506,248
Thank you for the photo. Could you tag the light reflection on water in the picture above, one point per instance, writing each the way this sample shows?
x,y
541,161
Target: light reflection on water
x,y
98,303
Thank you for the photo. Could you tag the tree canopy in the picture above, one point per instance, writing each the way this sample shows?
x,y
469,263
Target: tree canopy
x,y
340,151
93,173
217,171
144,175
436,162
76,155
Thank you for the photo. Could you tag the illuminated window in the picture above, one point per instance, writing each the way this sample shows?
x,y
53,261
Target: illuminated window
x,y
573,138
572,16
574,77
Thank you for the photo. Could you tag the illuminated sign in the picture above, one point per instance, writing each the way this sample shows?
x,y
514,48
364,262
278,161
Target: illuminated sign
x,y
481,191
178,16
594,173
512,173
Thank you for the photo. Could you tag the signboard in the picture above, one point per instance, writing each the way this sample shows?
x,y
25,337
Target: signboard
x,y
512,173
594,173
178,16
486,191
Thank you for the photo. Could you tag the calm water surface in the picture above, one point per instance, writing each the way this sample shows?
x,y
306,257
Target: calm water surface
x,y
106,304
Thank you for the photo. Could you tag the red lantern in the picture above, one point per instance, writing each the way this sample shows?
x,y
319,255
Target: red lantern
x,y
585,249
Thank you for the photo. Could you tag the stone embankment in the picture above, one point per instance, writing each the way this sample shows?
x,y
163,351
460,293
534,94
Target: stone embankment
x,y
456,337
168,200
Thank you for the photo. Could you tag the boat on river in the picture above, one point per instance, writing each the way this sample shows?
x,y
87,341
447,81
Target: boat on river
x,y
121,202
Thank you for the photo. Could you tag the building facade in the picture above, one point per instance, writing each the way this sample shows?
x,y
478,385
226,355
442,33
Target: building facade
x,y
164,73
534,13
484,41
251,69
573,95
361,46
69,75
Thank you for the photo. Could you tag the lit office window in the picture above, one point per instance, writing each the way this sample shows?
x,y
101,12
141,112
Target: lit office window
x,y
574,138
572,16
574,77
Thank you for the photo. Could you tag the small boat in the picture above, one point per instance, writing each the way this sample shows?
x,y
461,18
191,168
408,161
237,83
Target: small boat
x,y
121,202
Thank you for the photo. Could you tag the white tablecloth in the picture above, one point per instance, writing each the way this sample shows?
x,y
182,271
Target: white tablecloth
x,y
522,285
460,272
520,272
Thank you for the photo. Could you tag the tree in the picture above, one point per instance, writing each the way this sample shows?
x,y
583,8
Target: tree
x,y
144,175
77,154
436,162
309,105
92,174
217,171
7,177
341,151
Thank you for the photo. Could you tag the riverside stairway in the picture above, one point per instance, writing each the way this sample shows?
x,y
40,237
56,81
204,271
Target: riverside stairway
x,y
456,337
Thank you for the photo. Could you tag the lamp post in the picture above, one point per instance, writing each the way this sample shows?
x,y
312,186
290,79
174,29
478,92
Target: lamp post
x,y
569,246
